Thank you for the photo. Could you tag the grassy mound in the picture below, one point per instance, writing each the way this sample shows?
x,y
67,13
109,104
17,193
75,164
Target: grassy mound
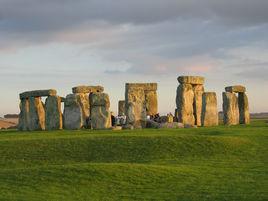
x,y
221,163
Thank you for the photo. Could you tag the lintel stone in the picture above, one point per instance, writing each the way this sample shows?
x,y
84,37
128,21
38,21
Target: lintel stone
x,y
87,89
236,89
145,86
191,80
38,93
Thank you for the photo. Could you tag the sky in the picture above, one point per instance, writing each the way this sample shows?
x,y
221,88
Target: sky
x,y
64,43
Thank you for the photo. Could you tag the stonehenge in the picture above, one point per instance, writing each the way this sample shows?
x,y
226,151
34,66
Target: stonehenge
x,y
140,102
35,115
235,108
88,107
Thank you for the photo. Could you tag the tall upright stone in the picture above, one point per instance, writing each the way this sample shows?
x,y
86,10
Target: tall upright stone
x,y
83,100
151,102
244,116
53,113
209,115
100,114
24,114
73,114
121,108
184,102
189,99
198,92
36,114
135,106
230,108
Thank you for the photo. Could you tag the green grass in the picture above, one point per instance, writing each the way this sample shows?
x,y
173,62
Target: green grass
x,y
219,163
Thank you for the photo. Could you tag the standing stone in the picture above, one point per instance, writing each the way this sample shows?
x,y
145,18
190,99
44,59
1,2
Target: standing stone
x,y
209,115
100,114
24,114
230,109
184,102
36,119
73,114
151,102
244,116
83,100
135,106
198,92
121,108
53,113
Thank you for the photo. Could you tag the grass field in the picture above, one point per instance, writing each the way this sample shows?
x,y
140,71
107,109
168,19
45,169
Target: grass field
x,y
221,163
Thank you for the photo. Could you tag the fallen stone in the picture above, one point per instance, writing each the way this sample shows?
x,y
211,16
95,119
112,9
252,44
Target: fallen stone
x,y
152,124
244,116
53,113
117,128
235,89
38,93
230,109
73,115
190,126
209,109
87,89
171,125
184,102
191,80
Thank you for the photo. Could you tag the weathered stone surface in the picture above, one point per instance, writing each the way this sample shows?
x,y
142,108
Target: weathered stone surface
x,y
191,80
100,117
197,106
244,116
171,125
151,102
24,115
83,100
38,93
53,113
145,86
235,89
209,109
73,114
121,107
36,114
135,107
230,109
87,89
184,102
99,99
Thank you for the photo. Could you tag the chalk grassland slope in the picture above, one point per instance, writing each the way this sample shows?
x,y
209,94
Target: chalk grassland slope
x,y
221,163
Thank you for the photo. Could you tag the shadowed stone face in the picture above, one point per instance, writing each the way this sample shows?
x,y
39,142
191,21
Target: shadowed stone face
x,y
230,109
73,116
24,114
209,109
53,113
244,116
100,114
121,107
198,92
184,102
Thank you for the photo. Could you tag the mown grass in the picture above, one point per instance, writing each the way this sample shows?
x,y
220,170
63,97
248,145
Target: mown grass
x,y
219,163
